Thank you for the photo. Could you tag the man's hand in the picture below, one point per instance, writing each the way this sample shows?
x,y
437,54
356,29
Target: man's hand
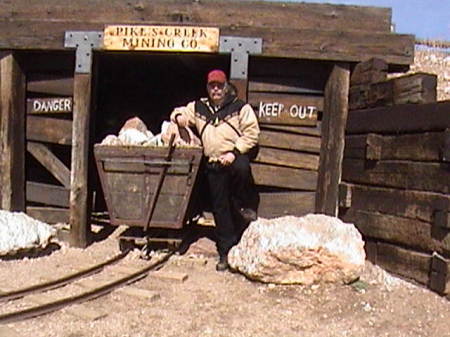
x,y
227,158
181,120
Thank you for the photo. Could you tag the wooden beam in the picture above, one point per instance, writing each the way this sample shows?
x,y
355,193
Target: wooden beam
x,y
314,131
332,147
289,141
49,130
12,134
432,177
278,204
47,194
407,118
52,163
327,45
49,215
398,202
287,158
411,233
425,146
79,200
51,85
284,177
237,13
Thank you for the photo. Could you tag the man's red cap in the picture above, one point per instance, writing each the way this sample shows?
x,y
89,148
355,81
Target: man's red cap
x,y
217,75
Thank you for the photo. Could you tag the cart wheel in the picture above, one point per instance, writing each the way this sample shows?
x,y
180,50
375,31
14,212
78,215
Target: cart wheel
x,y
125,245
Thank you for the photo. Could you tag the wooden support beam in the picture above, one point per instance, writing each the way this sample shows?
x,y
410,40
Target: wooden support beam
x,y
289,141
79,200
49,215
47,194
287,158
12,134
52,163
49,130
405,118
332,147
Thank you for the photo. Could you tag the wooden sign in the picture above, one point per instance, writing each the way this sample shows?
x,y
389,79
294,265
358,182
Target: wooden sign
x,y
285,109
49,105
161,38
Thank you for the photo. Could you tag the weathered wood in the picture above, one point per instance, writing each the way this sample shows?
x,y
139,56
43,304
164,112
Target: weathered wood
x,y
278,204
411,233
417,147
370,71
418,88
358,96
407,118
49,215
55,166
445,150
312,131
404,262
240,86
332,147
348,46
237,13
289,141
50,85
12,134
440,274
47,194
49,105
284,177
291,85
79,199
286,109
399,174
397,202
49,130
287,158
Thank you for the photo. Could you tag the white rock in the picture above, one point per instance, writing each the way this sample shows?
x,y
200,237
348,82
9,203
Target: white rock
x,y
19,231
307,250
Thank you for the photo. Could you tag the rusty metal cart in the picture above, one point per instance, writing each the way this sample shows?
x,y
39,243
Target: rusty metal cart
x,y
148,187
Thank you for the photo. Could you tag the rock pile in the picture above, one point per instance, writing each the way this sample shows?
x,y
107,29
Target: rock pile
x,y
290,250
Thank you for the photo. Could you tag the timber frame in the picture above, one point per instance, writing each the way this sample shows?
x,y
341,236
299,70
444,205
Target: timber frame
x,y
337,36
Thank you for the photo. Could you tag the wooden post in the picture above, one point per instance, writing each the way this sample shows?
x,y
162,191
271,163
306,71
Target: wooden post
x,y
12,134
333,136
79,200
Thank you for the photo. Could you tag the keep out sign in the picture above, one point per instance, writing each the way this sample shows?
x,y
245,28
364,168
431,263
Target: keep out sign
x,y
276,109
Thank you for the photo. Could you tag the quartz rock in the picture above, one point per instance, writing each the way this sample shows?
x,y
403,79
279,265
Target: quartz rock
x,y
300,250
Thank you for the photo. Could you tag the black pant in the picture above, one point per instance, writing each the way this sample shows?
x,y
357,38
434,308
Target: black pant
x,y
231,188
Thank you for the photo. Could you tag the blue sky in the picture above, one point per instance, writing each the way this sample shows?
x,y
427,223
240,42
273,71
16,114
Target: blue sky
x,y
423,18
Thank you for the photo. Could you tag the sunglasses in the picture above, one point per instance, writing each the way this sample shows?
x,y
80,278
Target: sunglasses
x,y
217,85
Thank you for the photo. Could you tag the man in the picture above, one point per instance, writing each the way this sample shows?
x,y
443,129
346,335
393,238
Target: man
x,y
228,129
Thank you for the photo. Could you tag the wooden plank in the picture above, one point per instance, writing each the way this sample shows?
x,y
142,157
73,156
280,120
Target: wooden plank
x,y
238,13
49,215
411,233
287,158
404,262
49,130
312,131
279,204
50,85
407,118
339,45
55,166
398,202
399,174
287,109
332,147
167,275
418,88
284,177
292,85
289,141
47,194
440,274
370,71
49,105
147,295
425,146
79,199
12,134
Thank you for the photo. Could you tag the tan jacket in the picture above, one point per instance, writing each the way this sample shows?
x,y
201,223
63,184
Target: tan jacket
x,y
233,127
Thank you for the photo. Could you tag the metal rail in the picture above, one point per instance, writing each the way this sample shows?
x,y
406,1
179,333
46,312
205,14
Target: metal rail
x,y
85,296
8,296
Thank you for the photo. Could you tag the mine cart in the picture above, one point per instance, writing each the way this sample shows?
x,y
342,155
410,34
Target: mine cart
x,y
148,188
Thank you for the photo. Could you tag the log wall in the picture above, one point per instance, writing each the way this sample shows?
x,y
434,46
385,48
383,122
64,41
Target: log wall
x,y
396,175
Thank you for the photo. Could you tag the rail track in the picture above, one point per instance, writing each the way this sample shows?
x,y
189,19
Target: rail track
x,y
93,290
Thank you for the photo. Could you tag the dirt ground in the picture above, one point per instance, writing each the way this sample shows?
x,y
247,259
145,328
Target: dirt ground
x,y
209,303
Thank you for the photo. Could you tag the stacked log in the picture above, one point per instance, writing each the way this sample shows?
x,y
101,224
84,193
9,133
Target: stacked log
x,y
396,174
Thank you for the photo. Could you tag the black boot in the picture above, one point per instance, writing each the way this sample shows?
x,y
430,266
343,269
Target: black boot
x,y
222,265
